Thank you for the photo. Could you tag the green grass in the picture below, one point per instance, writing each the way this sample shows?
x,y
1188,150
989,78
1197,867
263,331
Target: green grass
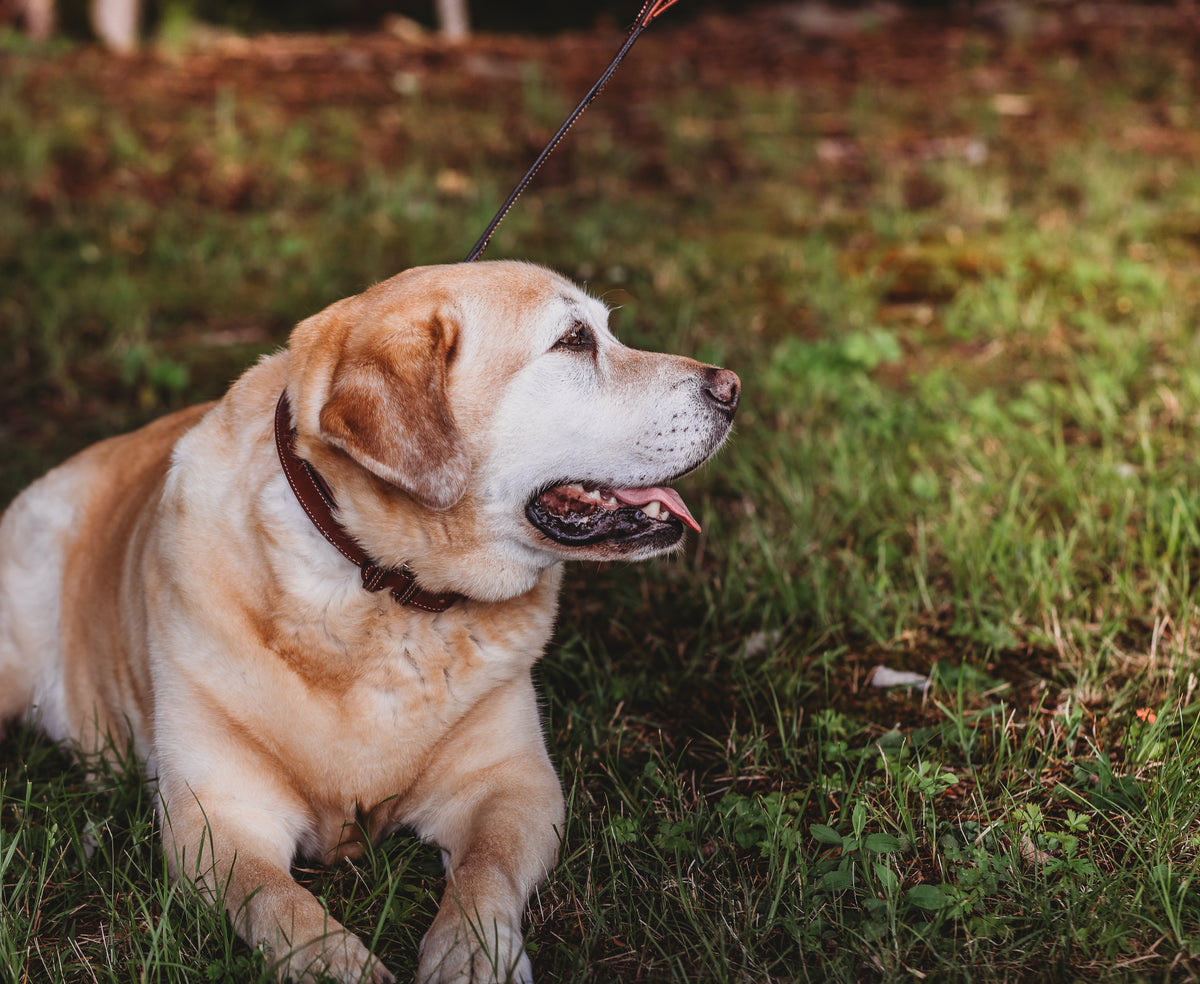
x,y
967,448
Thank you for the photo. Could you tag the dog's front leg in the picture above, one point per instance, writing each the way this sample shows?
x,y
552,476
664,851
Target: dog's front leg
x,y
493,863
240,855
498,825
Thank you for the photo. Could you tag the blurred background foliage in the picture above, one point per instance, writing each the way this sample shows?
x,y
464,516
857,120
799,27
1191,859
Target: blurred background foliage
x,y
516,16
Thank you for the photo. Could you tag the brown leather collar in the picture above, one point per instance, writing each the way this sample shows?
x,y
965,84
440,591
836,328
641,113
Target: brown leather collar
x,y
318,503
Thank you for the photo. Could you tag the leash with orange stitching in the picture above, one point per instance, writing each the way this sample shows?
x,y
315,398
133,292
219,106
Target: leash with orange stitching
x,y
651,9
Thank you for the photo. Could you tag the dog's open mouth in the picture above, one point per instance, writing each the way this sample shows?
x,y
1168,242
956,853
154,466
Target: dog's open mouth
x,y
583,513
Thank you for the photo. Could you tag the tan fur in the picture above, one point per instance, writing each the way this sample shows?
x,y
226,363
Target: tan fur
x,y
165,589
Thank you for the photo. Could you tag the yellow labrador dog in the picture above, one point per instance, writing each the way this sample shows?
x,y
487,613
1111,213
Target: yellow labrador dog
x,y
313,606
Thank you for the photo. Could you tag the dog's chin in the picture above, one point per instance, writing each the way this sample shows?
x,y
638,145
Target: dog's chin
x,y
589,521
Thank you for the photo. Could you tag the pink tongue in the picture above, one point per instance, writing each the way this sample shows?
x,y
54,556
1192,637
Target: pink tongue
x,y
668,498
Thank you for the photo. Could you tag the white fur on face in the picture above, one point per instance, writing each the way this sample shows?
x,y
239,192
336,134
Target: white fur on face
x,y
609,415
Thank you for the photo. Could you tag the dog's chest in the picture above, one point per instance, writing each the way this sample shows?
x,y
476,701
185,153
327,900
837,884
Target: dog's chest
x,y
367,710
415,684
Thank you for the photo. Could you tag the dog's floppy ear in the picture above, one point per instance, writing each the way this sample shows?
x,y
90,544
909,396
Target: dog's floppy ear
x,y
387,408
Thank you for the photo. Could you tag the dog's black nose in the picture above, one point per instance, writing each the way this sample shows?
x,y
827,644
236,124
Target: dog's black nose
x,y
722,387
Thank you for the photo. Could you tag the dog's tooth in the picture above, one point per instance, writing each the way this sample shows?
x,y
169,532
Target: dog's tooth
x,y
653,509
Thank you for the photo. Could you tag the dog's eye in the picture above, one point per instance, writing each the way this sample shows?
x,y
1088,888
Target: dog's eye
x,y
579,337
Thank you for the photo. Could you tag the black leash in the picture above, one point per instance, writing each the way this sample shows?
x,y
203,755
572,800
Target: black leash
x,y
650,10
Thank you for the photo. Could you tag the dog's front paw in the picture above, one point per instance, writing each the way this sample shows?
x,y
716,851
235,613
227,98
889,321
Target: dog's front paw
x,y
457,950
340,956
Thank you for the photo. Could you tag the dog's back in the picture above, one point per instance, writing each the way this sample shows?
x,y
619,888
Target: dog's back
x,y
86,508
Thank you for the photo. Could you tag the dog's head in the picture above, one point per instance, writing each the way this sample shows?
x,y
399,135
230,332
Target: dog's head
x,y
491,402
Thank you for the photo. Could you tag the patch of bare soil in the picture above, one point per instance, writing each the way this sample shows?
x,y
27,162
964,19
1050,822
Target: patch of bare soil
x,y
795,46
